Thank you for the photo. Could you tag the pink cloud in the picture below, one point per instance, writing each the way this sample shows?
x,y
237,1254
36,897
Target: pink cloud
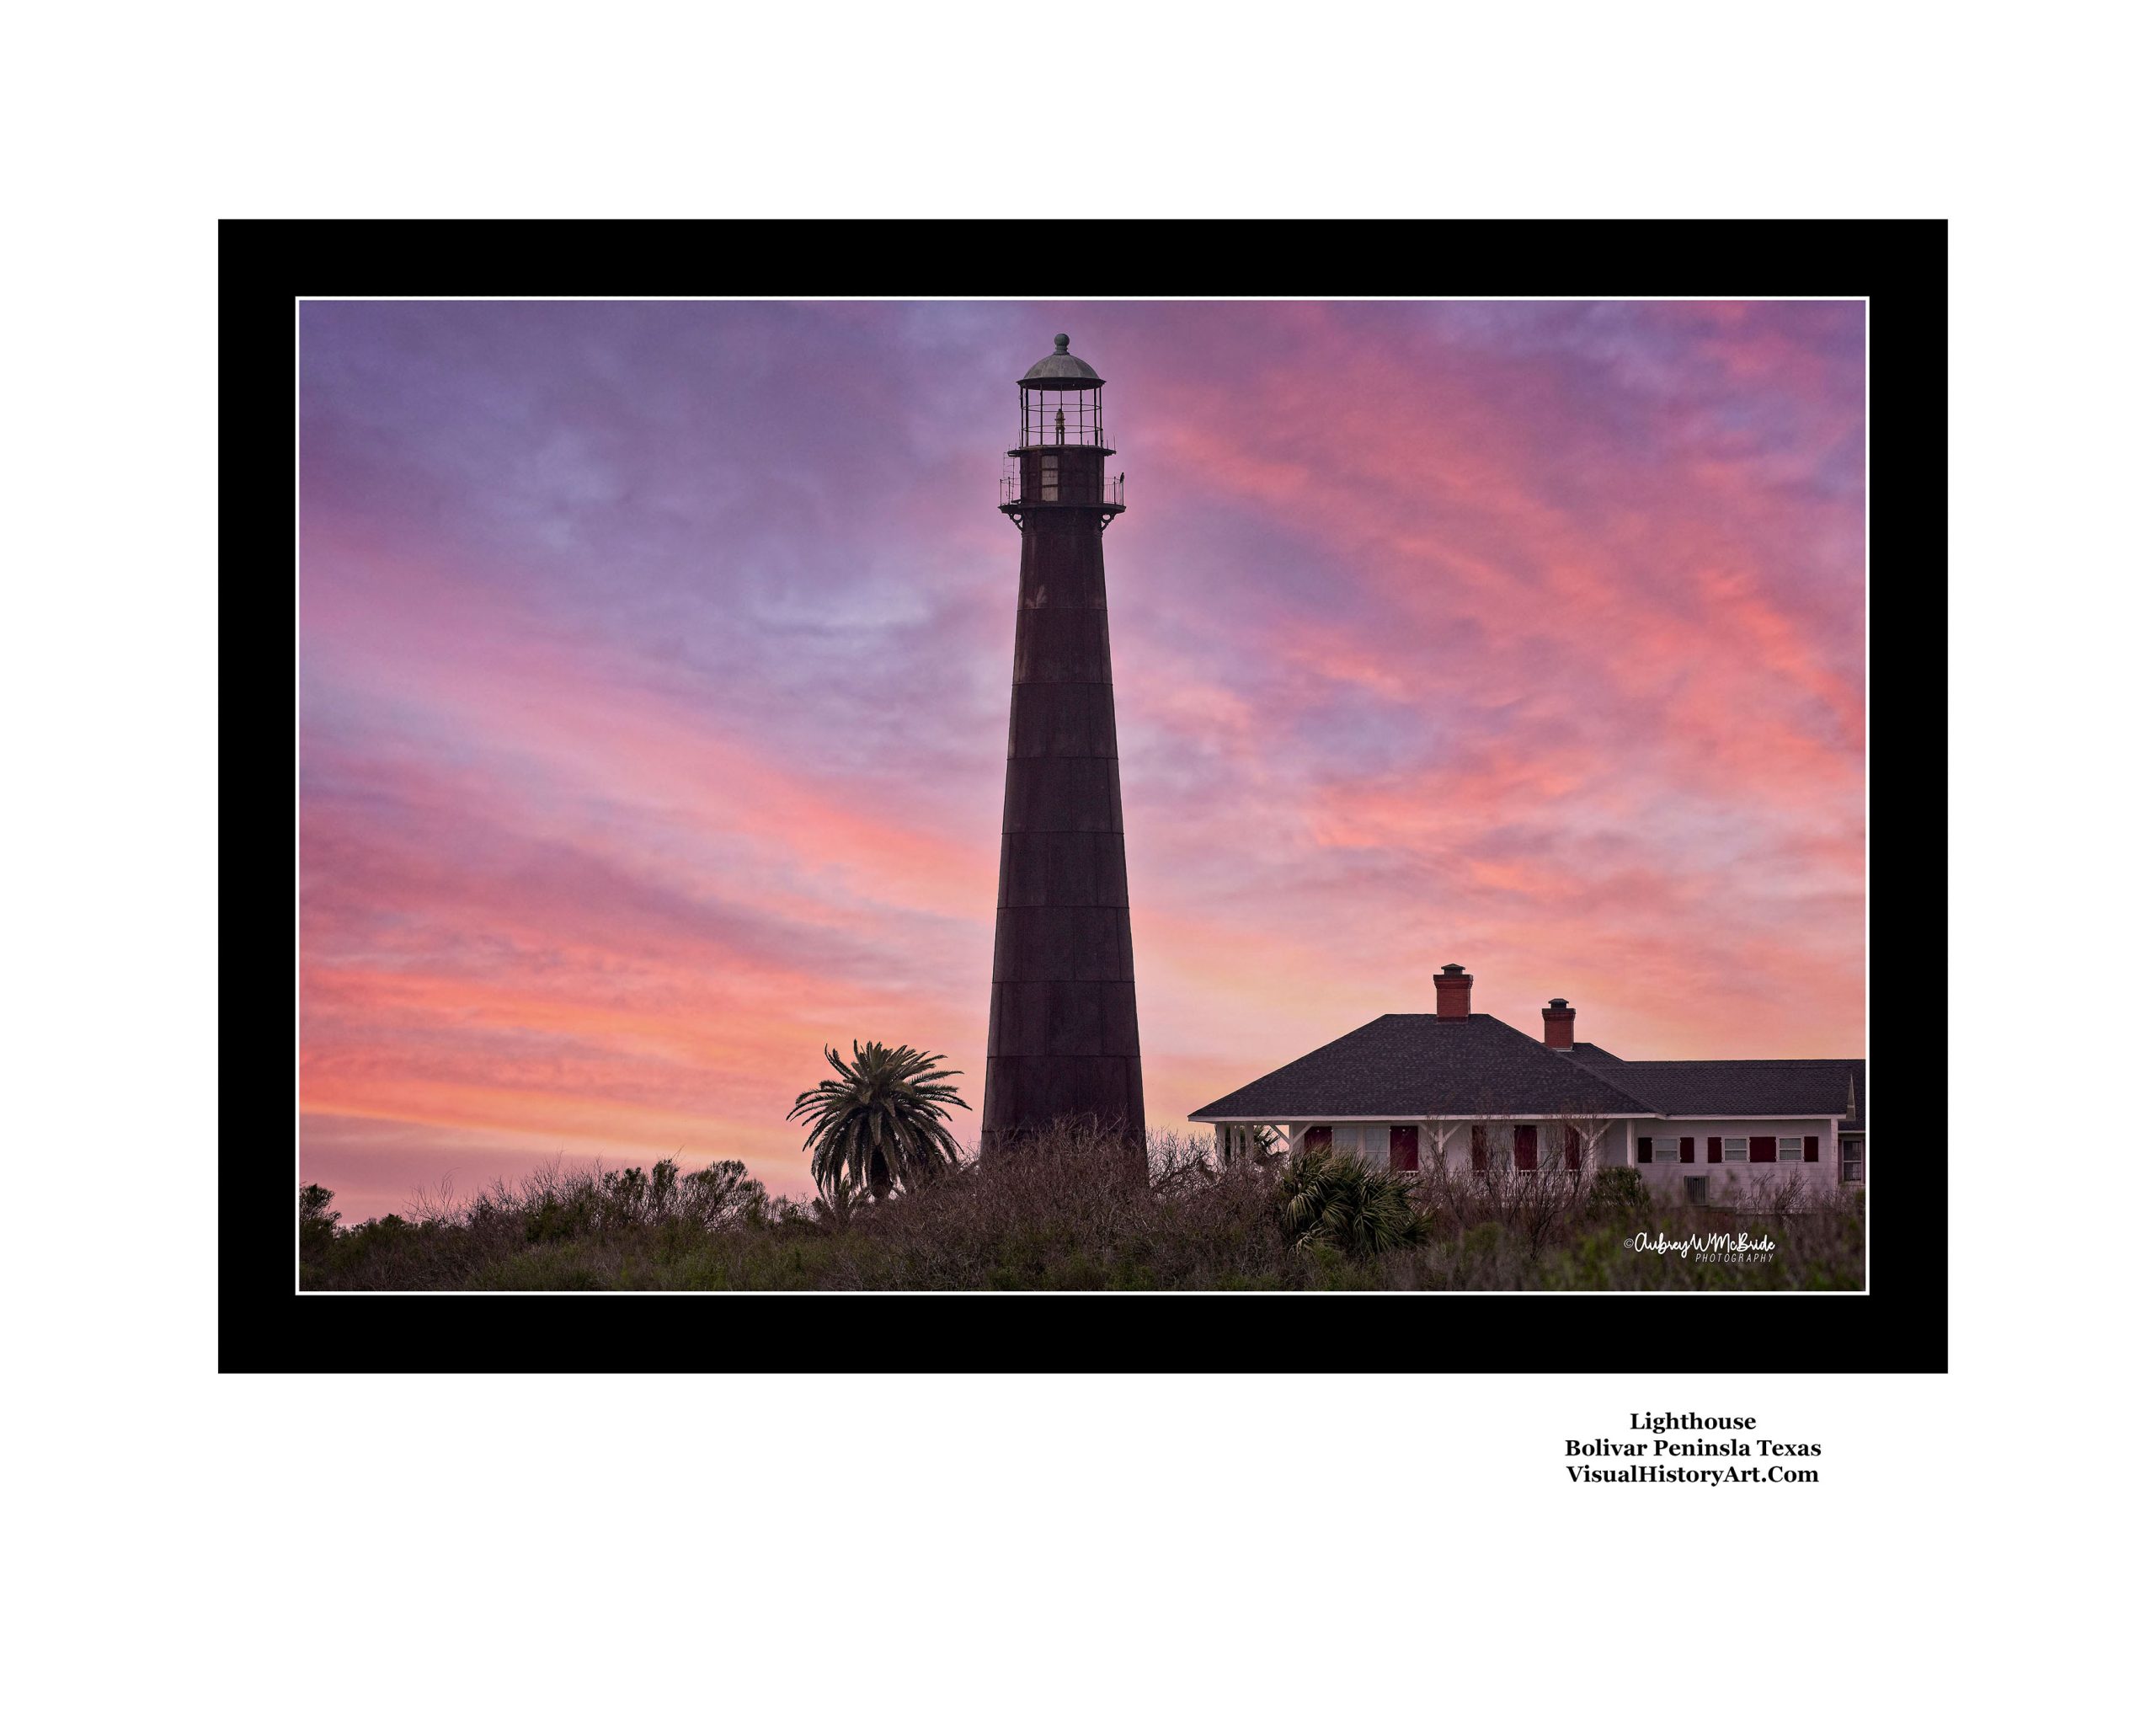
x,y
636,767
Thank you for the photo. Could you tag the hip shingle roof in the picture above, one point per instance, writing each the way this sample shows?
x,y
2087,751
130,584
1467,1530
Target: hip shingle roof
x,y
1740,1087
1415,1065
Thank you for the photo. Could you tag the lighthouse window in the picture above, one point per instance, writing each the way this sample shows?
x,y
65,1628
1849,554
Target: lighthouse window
x,y
1048,480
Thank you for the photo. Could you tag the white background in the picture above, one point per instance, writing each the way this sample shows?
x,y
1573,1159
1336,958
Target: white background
x,y
993,1549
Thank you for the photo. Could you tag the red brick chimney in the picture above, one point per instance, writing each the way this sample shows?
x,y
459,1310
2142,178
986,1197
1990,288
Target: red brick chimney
x,y
1557,1024
1453,984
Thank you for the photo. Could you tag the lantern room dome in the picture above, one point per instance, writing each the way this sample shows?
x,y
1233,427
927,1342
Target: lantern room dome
x,y
1061,370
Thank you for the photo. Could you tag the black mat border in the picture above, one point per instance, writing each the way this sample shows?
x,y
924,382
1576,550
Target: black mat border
x,y
266,266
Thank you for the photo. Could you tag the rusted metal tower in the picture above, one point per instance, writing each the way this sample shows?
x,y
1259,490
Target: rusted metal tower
x,y
1063,1002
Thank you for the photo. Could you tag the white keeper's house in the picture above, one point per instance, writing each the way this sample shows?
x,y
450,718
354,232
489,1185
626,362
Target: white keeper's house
x,y
1460,1088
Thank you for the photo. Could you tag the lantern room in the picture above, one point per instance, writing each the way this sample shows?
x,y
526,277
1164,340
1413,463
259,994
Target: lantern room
x,y
1063,449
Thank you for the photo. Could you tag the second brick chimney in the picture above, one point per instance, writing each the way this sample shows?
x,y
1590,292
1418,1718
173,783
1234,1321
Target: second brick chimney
x,y
1557,1024
1453,984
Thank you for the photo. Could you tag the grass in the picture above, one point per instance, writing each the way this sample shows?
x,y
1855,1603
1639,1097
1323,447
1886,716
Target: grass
x,y
1058,1216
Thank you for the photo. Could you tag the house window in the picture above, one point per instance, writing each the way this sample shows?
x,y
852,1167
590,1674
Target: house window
x,y
1478,1139
1407,1149
1049,478
1647,1149
1525,1142
1853,1159
1789,1150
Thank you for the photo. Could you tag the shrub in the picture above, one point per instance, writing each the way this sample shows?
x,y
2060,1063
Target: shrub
x,y
720,1195
1617,1193
317,1221
1064,1210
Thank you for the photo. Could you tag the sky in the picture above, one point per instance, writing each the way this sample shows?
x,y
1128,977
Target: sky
x,y
654,672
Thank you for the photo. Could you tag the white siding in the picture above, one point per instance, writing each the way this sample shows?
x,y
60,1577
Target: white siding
x,y
1729,1183
1733,1182
1372,1140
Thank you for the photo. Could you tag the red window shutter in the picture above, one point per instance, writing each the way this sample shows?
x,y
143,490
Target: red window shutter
x,y
1762,1149
1479,1143
1525,1142
1407,1149
1714,1150
1683,1150
1647,1149
1811,1150
1318,1138
1572,1147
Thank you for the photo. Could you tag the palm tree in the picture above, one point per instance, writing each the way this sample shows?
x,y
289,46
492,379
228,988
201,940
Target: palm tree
x,y
880,1122
1334,1198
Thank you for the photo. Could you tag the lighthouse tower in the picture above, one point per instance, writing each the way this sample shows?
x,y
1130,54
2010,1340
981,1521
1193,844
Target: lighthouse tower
x,y
1063,1004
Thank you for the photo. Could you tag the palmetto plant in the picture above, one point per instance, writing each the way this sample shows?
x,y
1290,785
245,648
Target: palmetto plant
x,y
1327,1197
880,1122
